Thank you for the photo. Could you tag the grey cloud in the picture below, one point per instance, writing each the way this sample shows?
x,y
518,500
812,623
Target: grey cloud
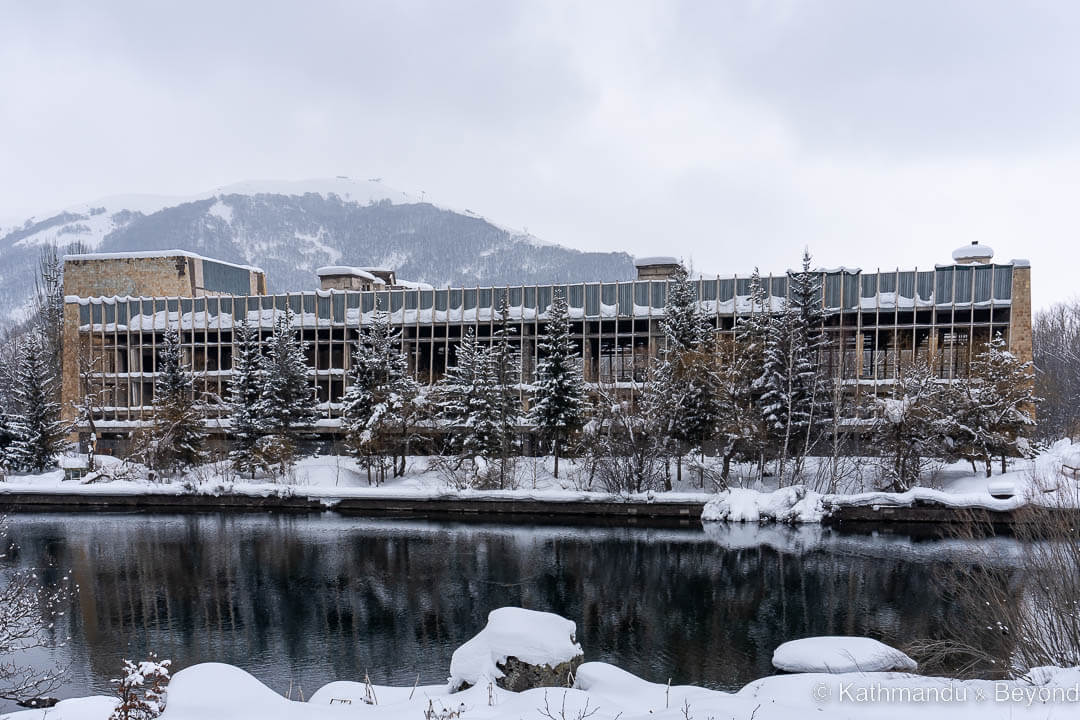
x,y
731,133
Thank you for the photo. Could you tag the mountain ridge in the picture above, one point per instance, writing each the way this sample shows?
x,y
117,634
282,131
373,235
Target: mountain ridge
x,y
289,228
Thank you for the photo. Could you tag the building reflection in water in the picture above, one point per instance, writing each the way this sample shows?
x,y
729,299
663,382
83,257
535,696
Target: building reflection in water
x,y
308,599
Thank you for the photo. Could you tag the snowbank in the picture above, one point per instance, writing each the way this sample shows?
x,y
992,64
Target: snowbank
x,y
216,690
793,504
840,655
1038,481
605,692
536,638
328,479
95,707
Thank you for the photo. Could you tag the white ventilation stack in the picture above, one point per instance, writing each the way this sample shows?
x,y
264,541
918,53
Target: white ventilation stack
x,y
973,254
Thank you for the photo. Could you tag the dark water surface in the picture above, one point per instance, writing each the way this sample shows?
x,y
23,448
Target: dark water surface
x,y
306,599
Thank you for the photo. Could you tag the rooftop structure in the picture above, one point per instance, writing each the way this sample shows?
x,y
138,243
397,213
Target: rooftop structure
x,y
343,277
649,268
973,254
177,273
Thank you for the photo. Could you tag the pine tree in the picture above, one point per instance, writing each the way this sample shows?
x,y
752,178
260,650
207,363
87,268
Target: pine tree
x,y
794,395
287,402
991,413
7,438
683,326
909,430
805,293
786,367
39,433
681,398
177,437
245,390
456,387
380,404
752,332
470,403
558,409
505,361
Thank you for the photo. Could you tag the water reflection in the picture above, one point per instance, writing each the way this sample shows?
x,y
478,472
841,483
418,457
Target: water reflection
x,y
309,599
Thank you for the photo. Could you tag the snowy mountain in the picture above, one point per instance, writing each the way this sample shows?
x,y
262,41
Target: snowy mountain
x,y
291,228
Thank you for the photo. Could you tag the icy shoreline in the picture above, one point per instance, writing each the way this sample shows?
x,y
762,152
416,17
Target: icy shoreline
x,y
333,482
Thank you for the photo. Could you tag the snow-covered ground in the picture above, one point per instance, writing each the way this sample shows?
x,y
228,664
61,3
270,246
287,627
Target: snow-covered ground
x,y
329,478
334,476
1037,481
605,692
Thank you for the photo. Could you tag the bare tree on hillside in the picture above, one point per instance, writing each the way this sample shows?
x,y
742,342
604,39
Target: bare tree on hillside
x,y
1056,344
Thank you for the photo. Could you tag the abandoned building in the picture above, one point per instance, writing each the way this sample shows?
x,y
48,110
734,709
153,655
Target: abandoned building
x,y
118,306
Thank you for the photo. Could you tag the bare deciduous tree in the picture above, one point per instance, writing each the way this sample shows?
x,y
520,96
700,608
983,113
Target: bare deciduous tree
x,y
1024,613
28,613
1056,344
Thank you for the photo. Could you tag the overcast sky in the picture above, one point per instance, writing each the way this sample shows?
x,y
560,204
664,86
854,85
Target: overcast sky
x,y
728,133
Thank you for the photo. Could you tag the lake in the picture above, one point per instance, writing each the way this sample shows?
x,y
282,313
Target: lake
x,y
301,600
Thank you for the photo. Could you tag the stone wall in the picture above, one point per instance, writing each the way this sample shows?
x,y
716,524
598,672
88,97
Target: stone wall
x,y
345,282
135,276
1020,314
165,276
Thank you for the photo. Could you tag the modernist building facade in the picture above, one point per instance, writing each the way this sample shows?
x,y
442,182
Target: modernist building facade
x,y
117,308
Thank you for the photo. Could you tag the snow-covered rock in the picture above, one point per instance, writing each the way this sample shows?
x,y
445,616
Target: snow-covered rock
x,y
837,655
518,649
794,504
216,690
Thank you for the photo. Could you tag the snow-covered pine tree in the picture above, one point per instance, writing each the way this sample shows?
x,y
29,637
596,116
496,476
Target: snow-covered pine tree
x,y
785,373
505,361
455,388
683,326
752,332
794,395
39,432
909,430
380,404
177,437
359,403
1001,403
7,437
245,389
287,403
805,294
467,399
681,397
558,409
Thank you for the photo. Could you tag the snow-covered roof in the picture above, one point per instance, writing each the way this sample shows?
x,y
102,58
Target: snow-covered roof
x,y
832,270
155,254
973,253
413,285
656,260
336,270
